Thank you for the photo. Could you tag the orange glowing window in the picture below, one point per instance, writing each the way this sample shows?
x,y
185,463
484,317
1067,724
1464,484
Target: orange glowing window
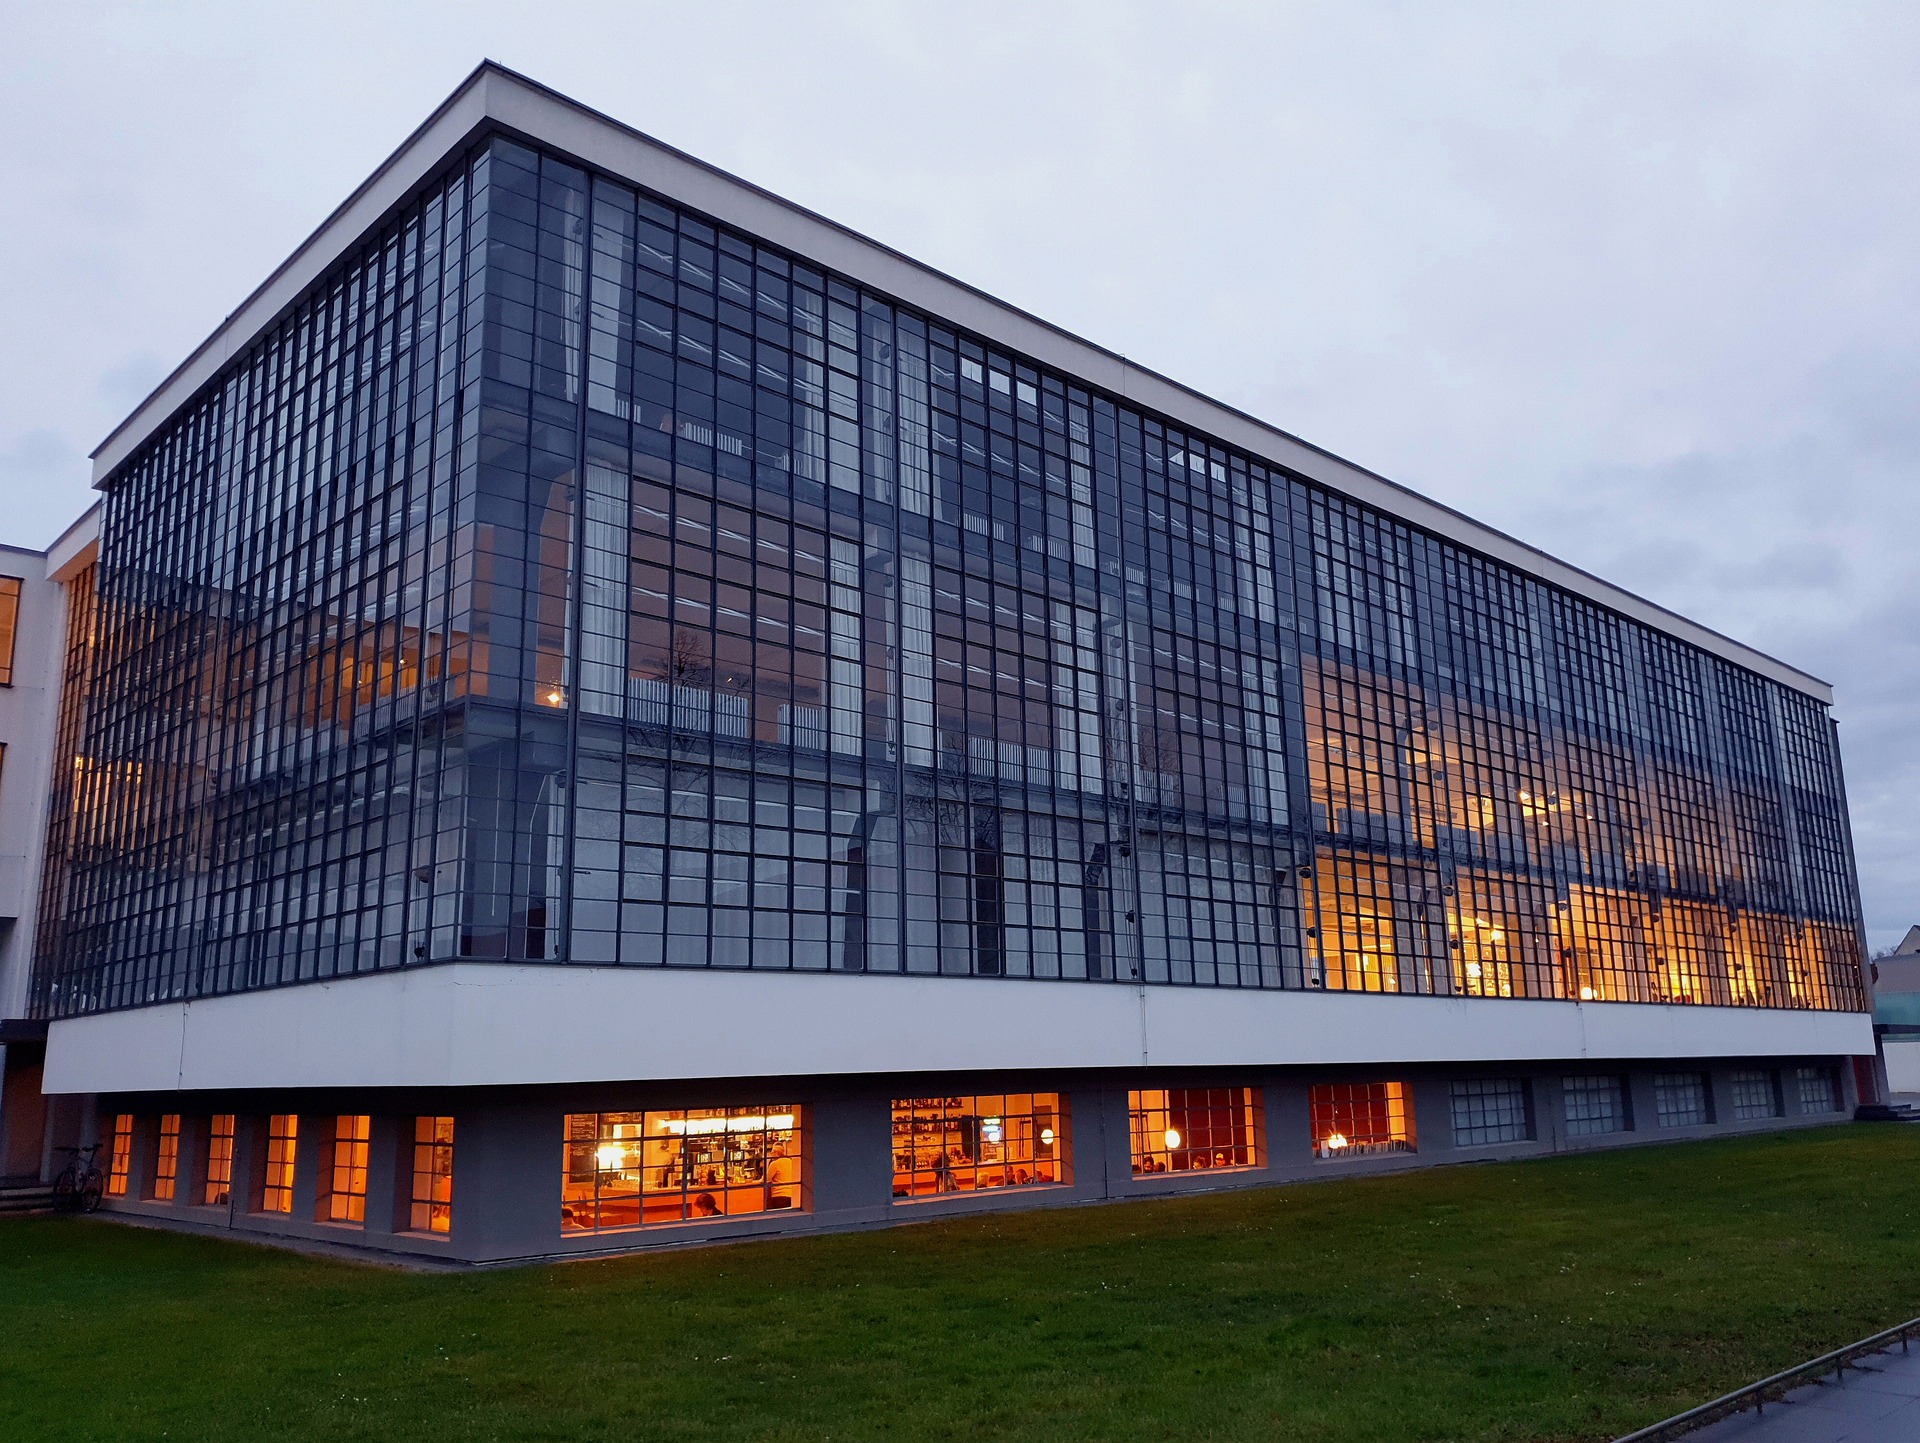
x,y
432,1175
283,1135
977,1144
1355,1119
166,1162
219,1161
120,1161
624,1169
346,1176
1191,1129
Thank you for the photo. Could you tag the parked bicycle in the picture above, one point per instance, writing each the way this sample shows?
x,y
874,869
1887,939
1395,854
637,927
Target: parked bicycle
x,y
81,1184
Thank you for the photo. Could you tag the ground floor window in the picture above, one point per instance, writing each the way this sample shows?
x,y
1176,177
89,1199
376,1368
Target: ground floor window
x,y
1680,1099
120,1155
283,1135
219,1160
1187,1129
346,1174
624,1169
1595,1104
1354,1119
1755,1095
166,1161
977,1144
432,1175
1819,1088
1489,1110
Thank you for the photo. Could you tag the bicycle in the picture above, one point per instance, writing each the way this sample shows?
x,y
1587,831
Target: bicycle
x,y
81,1184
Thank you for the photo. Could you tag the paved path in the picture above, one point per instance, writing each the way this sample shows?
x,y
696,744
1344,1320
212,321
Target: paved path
x,y
1877,1400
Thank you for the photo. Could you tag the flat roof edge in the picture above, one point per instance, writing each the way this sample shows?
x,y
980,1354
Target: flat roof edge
x,y
493,94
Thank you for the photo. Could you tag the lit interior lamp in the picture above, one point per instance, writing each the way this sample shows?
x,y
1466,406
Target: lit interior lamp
x,y
1473,970
1173,1137
1046,1136
1336,1141
1587,994
555,697
611,1157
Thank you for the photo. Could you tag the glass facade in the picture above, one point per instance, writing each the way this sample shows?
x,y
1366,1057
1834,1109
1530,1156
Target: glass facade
x,y
1680,1099
219,1182
566,579
166,1161
1756,1094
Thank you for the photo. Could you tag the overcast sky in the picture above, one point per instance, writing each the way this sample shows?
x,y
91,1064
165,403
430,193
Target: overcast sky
x,y
1639,284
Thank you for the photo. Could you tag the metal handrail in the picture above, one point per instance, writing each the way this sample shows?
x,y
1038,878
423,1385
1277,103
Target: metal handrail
x,y
1755,1394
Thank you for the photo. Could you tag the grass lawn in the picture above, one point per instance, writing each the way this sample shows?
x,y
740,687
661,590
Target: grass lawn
x,y
1568,1298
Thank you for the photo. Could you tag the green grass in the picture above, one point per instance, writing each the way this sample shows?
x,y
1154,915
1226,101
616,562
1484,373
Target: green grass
x,y
1570,1298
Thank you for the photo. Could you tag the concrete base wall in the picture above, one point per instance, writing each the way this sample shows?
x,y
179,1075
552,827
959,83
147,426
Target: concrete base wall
x,y
508,1149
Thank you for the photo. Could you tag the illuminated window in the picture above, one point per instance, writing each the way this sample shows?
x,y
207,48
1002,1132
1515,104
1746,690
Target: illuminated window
x,y
1594,1104
121,1158
219,1161
1755,1095
1354,1119
283,1133
977,1144
1818,1087
1187,1129
9,625
1490,1110
624,1169
166,1162
1680,1099
346,1174
432,1175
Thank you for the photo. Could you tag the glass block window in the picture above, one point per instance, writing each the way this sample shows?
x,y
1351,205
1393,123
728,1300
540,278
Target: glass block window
x,y
1489,1110
626,1169
120,1156
1756,1094
283,1136
432,1210
219,1182
1355,1119
1680,1099
166,1161
1188,1129
346,1176
977,1144
1818,1088
1595,1104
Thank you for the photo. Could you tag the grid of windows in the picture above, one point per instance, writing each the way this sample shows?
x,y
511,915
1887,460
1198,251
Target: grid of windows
x,y
283,1136
566,578
1595,1104
344,1194
1490,1110
1756,1094
1358,1119
120,1155
977,1144
1818,1088
166,1158
1680,1099
219,1183
9,625
1192,1129
432,1198
624,1169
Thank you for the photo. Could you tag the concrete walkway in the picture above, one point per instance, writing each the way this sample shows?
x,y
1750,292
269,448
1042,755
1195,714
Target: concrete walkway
x,y
1877,1400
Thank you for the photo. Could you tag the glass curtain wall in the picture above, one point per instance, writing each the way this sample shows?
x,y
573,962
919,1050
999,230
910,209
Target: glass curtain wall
x,y
571,579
